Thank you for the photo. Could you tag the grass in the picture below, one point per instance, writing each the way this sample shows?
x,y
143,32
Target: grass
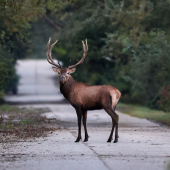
x,y
144,112
22,123
8,108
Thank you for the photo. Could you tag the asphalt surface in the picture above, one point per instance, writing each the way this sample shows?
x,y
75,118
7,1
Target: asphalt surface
x,y
142,144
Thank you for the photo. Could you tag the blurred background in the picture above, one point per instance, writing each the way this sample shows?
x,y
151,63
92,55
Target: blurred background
x,y
129,43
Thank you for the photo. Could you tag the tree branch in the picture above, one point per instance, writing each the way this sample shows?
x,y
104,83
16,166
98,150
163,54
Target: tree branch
x,y
52,23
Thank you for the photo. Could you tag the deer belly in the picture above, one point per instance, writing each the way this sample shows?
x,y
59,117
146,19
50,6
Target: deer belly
x,y
91,105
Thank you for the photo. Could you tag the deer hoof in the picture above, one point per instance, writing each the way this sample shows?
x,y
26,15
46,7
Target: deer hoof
x,y
115,141
77,140
85,140
109,140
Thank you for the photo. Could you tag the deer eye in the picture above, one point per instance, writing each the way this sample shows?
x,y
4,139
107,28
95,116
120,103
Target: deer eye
x,y
68,72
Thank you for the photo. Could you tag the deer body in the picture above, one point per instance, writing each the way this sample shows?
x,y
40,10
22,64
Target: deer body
x,y
84,97
88,97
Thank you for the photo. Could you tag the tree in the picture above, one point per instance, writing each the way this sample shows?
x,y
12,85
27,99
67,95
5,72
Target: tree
x,y
15,18
150,67
126,39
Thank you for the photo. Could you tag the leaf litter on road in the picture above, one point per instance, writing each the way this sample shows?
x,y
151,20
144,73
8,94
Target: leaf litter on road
x,y
20,124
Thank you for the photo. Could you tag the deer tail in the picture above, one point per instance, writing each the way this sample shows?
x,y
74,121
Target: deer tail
x,y
115,96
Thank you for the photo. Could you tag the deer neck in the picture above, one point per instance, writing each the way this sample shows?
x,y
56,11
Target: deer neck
x,y
66,87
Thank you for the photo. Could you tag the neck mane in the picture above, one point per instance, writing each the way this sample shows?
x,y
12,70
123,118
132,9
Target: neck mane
x,y
67,86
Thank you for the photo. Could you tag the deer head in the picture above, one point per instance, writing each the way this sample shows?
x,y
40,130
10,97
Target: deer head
x,y
64,73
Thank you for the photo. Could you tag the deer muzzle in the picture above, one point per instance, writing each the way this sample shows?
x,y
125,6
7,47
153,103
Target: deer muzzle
x,y
62,78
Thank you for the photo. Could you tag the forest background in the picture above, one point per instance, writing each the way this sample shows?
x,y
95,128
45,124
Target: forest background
x,y
129,43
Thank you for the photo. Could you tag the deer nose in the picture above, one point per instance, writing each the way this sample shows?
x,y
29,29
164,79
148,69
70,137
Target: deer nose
x,y
62,77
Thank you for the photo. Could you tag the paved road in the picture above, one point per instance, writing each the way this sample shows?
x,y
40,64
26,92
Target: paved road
x,y
142,144
36,83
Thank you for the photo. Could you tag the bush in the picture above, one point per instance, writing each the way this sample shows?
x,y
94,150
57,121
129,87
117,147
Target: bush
x,y
164,102
150,68
7,72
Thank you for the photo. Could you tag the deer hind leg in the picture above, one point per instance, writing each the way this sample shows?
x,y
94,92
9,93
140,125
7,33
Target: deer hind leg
x,y
115,98
84,123
111,113
79,115
115,120
116,129
110,109
111,134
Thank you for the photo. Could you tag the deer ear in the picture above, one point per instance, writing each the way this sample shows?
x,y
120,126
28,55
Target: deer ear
x,y
72,70
55,69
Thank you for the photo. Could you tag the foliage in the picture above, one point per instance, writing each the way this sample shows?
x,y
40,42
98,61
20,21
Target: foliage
x,y
165,98
128,41
141,37
150,67
16,17
128,45
6,72
79,27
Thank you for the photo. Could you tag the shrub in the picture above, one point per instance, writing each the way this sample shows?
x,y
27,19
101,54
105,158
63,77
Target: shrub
x,y
164,102
7,72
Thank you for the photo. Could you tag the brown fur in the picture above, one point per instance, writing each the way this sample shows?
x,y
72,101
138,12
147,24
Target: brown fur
x,y
85,97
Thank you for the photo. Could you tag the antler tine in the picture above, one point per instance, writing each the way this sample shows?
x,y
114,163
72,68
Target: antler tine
x,y
49,58
47,46
85,48
86,45
59,63
68,63
47,53
52,45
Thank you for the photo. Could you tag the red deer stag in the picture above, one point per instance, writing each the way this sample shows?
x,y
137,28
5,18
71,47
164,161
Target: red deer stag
x,y
84,97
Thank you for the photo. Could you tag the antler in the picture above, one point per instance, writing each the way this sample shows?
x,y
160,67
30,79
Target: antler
x,y
85,48
49,58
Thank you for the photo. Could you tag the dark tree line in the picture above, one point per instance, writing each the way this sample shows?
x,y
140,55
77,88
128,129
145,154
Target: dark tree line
x,y
128,43
128,47
16,18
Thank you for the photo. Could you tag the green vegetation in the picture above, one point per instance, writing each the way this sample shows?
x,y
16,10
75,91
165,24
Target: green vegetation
x,y
128,46
128,43
8,108
15,18
145,113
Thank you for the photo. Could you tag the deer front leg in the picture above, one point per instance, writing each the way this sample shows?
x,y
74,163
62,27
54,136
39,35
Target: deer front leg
x,y
85,128
79,115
